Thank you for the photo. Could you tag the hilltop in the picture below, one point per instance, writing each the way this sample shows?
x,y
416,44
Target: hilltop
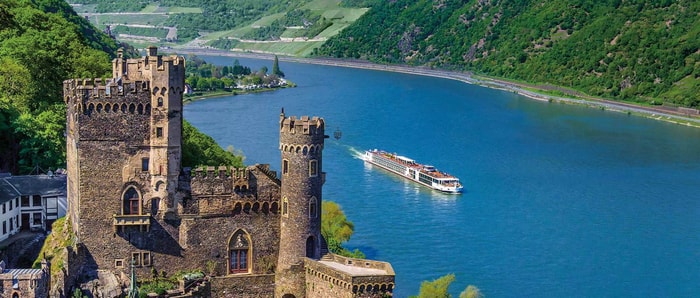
x,y
643,51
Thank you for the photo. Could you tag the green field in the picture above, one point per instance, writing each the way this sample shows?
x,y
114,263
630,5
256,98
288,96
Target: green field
x,y
149,8
177,9
129,19
299,49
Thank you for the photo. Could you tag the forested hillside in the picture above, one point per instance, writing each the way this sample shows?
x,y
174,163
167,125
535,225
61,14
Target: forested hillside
x,y
42,43
636,50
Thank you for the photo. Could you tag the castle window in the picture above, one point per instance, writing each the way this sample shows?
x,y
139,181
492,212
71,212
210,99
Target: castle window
x,y
159,132
312,208
144,164
285,167
131,202
146,258
310,247
155,205
136,259
313,168
160,101
285,206
239,252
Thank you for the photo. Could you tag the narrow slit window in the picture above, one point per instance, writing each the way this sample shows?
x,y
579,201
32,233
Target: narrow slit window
x,y
313,168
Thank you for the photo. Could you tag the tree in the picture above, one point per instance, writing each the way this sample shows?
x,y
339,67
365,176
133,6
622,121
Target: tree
x,y
436,288
337,229
276,68
199,149
471,292
262,72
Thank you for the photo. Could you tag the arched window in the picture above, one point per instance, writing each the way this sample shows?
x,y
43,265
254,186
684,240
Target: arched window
x,y
131,202
15,295
312,208
160,101
239,252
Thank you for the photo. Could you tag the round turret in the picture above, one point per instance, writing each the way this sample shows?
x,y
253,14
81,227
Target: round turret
x,y
301,144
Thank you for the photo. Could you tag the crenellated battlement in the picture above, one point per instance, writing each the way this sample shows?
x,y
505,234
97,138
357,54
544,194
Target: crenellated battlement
x,y
225,180
95,87
303,125
220,172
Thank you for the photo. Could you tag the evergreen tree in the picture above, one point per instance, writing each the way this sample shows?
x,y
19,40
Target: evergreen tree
x,y
276,68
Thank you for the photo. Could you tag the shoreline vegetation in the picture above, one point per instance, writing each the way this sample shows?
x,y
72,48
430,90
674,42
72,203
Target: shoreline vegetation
x,y
213,94
533,91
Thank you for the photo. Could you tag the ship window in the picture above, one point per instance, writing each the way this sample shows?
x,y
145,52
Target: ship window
x,y
239,252
285,166
313,168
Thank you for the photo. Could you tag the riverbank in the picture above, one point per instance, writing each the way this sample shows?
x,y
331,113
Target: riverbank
x,y
528,90
192,98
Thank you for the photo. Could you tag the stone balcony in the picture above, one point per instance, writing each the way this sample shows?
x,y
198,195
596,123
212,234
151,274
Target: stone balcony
x,y
142,221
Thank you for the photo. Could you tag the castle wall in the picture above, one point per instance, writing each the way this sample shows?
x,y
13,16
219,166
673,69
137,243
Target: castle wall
x,y
324,281
243,286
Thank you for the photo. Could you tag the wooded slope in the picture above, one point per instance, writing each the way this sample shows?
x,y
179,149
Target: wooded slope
x,y
636,50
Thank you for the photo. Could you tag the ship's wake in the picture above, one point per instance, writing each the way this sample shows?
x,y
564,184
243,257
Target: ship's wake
x,y
356,153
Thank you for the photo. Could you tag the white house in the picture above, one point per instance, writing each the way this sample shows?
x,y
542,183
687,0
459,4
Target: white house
x,y
9,210
31,202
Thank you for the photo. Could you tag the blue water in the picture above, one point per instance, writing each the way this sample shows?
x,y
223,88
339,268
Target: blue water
x,y
560,200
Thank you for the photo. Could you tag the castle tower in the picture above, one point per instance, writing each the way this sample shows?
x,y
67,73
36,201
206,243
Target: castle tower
x,y
301,144
123,154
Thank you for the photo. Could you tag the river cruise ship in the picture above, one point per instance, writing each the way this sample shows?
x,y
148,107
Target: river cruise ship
x,y
414,171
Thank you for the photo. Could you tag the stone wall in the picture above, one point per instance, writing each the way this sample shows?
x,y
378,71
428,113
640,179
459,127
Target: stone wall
x,y
243,286
325,281
30,283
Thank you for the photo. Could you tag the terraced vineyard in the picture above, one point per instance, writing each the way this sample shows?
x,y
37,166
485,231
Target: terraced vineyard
x,y
293,28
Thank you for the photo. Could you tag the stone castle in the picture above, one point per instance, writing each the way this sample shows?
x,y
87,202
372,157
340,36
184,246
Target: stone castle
x,y
253,232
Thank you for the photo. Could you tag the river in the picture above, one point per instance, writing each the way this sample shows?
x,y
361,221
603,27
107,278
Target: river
x,y
561,200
